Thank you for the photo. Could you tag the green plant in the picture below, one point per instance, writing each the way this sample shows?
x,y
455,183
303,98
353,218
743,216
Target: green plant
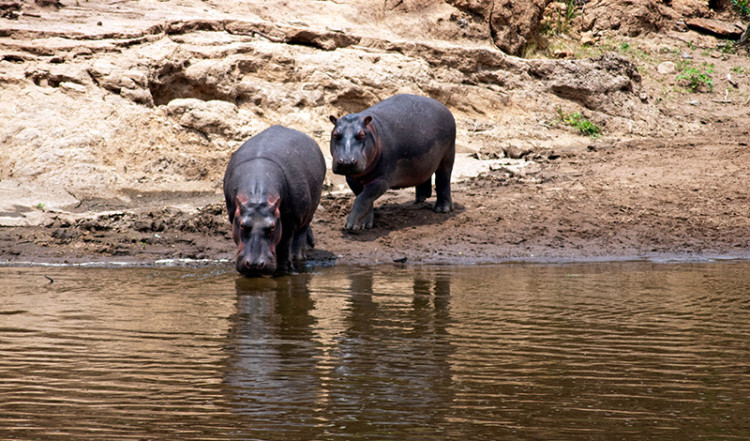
x,y
563,17
728,48
695,79
740,70
624,47
741,7
40,206
576,120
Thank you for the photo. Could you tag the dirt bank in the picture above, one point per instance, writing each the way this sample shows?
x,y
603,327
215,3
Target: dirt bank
x,y
646,199
119,124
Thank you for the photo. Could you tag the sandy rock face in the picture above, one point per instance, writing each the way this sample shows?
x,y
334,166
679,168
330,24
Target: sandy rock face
x,y
108,100
513,24
629,17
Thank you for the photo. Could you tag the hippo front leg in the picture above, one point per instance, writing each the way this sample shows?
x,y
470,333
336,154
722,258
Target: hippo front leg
x,y
363,210
284,255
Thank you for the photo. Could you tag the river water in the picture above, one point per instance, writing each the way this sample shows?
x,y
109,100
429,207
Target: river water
x,y
598,351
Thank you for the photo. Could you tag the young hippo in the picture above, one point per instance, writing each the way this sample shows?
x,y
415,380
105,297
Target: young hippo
x,y
272,187
399,142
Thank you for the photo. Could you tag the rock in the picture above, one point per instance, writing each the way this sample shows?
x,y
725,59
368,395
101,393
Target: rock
x,y
64,234
666,68
10,9
323,40
49,3
515,23
131,84
476,7
515,152
628,17
587,38
588,82
717,28
208,117
138,96
70,87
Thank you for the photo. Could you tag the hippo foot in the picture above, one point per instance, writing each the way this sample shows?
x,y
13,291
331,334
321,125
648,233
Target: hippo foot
x,y
352,227
442,207
354,222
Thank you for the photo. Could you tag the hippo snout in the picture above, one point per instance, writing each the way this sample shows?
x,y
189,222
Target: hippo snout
x,y
254,267
347,166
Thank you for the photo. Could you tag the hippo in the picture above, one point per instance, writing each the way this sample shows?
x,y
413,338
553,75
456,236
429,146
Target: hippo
x,y
272,187
399,142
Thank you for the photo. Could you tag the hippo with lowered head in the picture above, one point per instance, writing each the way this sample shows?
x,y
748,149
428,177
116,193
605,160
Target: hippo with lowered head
x,y
399,142
272,187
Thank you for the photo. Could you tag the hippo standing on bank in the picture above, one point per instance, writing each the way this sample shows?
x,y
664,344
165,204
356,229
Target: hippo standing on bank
x,y
399,142
272,187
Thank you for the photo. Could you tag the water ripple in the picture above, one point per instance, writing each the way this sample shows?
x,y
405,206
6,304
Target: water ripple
x,y
639,351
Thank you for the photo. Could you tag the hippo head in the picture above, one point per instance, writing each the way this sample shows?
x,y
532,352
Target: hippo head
x,y
353,145
256,229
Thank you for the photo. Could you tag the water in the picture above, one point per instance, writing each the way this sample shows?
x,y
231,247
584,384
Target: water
x,y
631,351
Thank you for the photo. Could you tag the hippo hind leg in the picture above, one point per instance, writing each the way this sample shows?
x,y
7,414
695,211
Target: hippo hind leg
x,y
424,190
302,239
444,203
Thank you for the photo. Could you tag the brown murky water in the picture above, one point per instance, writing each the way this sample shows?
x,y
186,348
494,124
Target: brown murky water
x,y
637,351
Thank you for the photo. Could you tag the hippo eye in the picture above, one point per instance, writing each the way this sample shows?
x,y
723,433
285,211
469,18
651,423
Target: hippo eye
x,y
360,135
336,135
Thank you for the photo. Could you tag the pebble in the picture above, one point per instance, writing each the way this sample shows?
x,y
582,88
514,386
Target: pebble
x,y
666,68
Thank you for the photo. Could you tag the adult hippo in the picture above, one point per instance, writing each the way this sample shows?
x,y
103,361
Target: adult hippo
x,y
399,142
272,187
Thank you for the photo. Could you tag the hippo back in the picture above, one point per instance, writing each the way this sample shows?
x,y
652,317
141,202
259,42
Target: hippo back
x,y
295,156
410,120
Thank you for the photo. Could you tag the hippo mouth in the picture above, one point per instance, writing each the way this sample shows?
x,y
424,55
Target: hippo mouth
x,y
249,269
347,168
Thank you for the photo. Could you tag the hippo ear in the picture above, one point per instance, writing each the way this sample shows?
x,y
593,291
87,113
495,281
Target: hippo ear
x,y
333,119
274,201
237,210
239,201
366,122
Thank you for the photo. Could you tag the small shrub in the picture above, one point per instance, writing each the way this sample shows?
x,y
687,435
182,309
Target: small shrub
x,y
741,7
695,79
560,22
576,120
728,47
